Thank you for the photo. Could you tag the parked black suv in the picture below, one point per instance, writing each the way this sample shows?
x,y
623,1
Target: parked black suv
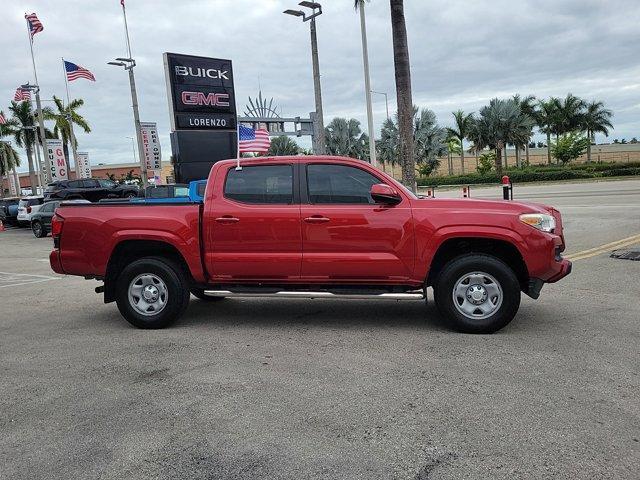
x,y
92,189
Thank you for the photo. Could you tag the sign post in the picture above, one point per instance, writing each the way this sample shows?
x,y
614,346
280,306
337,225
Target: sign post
x,y
55,157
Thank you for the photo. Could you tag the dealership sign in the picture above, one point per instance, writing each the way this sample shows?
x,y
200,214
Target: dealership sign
x,y
151,146
55,154
83,164
201,93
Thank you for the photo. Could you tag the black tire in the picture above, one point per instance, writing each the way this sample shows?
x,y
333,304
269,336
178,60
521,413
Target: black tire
x,y
455,270
199,294
177,292
130,195
38,229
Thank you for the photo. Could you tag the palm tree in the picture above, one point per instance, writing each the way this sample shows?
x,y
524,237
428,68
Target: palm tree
x,y
461,130
283,145
23,133
403,92
596,119
430,140
63,127
9,158
387,146
344,137
500,123
527,107
546,115
570,113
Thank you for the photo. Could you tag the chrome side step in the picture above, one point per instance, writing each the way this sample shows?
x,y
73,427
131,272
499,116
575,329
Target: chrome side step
x,y
415,295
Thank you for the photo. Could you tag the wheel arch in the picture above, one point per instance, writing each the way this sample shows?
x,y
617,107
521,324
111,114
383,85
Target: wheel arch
x,y
502,249
127,251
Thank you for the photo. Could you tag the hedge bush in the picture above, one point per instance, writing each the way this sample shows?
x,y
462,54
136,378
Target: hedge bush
x,y
539,173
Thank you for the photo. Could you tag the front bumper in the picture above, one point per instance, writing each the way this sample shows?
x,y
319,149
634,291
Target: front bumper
x,y
565,267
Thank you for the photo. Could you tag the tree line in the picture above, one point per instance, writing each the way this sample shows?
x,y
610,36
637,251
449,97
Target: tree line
x,y
569,124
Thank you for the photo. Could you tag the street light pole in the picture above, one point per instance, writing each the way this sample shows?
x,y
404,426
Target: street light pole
x,y
367,84
133,148
128,64
386,101
319,136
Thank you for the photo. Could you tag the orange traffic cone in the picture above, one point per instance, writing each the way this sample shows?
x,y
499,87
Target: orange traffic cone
x,y
1,226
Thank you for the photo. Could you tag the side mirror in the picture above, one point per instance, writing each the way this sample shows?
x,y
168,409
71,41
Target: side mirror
x,y
384,194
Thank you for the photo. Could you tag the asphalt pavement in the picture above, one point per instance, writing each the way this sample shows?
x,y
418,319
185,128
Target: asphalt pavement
x,y
261,388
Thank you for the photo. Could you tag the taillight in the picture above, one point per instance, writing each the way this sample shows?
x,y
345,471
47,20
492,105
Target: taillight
x,y
28,209
56,226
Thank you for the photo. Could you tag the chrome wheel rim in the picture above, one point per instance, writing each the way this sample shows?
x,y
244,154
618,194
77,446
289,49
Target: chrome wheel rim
x,y
148,294
477,295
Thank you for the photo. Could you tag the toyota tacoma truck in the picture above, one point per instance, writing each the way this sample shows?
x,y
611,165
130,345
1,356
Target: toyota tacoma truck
x,y
313,227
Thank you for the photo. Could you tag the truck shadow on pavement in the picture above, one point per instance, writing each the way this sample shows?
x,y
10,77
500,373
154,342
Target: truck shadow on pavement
x,y
314,313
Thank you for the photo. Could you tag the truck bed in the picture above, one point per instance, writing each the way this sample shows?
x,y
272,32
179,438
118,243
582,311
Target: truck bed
x,y
91,232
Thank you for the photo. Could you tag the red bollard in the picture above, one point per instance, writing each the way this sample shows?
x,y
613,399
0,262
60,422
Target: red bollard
x,y
506,187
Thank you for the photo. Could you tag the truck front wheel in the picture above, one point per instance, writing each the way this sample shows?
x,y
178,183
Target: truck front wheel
x,y
477,293
152,292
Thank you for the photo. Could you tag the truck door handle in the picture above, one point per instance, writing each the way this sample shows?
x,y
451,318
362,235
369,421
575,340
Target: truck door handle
x,y
316,219
227,219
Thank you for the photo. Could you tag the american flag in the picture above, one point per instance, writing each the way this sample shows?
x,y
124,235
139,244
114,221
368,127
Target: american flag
x,y
35,25
2,119
75,72
21,94
251,140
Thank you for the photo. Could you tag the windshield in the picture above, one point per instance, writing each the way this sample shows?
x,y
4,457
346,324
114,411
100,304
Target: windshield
x,y
107,183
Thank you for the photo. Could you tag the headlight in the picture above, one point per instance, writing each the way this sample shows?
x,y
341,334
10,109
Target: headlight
x,y
543,222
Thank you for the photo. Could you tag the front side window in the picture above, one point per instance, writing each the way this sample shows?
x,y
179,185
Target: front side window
x,y
75,184
339,184
263,184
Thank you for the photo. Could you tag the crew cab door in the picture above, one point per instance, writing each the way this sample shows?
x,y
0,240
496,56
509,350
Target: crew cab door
x,y
346,236
252,224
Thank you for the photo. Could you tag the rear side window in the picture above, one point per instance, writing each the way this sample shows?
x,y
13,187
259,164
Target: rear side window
x,y
339,184
262,184
75,184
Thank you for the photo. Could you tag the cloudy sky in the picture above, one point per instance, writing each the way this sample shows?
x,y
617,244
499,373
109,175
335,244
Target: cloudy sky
x,y
463,53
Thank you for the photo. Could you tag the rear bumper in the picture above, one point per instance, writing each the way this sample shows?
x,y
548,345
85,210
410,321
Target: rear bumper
x,y
54,261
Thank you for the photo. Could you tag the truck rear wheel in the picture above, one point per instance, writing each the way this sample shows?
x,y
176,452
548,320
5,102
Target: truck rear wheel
x,y
477,293
152,292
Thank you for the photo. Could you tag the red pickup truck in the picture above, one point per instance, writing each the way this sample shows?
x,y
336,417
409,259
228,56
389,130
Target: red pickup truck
x,y
313,227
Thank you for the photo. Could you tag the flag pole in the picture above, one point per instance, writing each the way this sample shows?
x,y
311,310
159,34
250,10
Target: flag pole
x,y
126,28
238,167
43,137
74,146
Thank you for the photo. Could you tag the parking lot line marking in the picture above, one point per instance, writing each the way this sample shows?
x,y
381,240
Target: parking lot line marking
x,y
592,252
20,279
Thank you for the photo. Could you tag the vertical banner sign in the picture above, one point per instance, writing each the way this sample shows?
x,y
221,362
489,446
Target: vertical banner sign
x,y
57,160
13,192
83,164
151,146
